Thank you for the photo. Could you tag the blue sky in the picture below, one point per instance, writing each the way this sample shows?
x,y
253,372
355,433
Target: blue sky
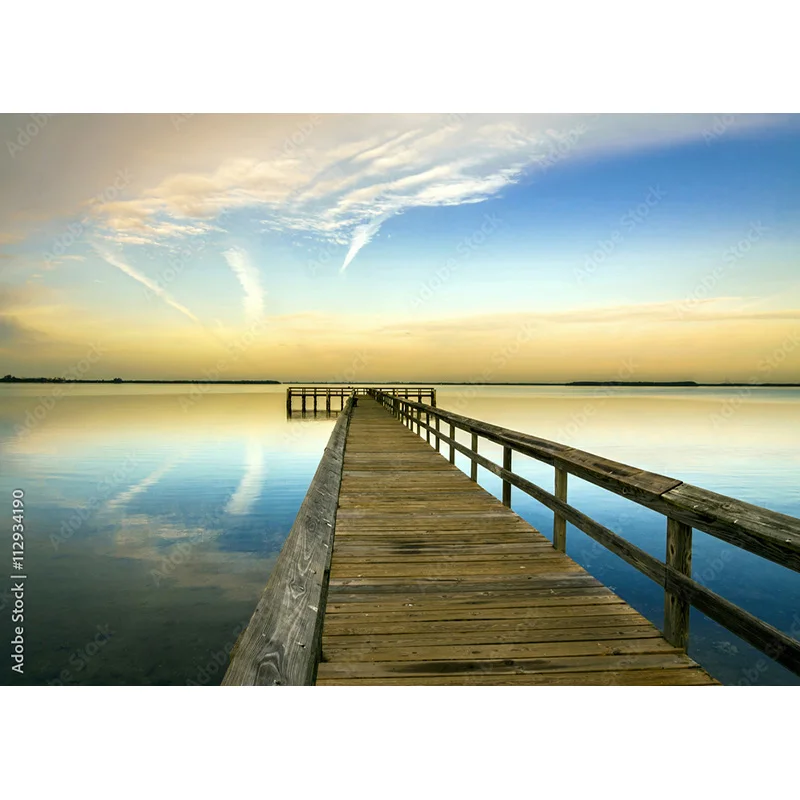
x,y
421,244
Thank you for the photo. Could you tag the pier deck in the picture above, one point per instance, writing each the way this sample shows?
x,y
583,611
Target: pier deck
x,y
434,581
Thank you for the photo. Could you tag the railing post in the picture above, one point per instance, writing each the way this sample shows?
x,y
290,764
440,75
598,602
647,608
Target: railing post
x,y
452,447
559,523
428,428
679,557
438,440
473,469
506,484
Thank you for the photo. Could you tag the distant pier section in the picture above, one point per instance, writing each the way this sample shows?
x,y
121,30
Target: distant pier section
x,y
306,399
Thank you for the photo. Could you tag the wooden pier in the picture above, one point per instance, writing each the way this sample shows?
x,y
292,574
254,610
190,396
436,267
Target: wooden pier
x,y
400,569
311,397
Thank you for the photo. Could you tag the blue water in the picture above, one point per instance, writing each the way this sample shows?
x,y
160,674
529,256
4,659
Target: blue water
x,y
153,517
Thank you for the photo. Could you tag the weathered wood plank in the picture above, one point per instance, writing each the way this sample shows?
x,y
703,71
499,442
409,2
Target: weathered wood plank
x,y
681,675
506,666
281,644
357,643
489,652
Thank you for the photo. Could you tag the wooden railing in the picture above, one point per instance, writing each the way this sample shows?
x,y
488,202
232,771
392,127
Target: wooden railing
x,y
315,393
282,642
766,533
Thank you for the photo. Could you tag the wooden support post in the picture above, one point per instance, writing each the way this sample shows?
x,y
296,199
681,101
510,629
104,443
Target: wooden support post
x,y
506,484
473,468
679,557
315,401
559,523
328,401
419,395
438,440
452,449
289,402
303,404
428,429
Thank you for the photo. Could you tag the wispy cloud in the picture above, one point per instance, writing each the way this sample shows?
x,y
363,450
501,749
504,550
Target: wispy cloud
x,y
247,273
362,236
116,261
123,498
344,183
246,494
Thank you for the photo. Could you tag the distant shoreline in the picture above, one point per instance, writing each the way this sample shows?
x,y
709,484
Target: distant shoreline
x,y
629,384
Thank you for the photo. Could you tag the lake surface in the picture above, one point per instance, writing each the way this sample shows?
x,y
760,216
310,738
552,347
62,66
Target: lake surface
x,y
154,515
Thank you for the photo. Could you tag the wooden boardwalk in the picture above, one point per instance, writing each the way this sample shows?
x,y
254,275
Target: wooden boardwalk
x,y
434,581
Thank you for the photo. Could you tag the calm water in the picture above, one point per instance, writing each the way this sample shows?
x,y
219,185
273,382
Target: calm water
x,y
153,518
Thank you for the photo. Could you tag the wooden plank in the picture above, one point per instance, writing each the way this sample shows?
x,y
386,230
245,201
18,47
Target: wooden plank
x,y
505,666
608,618
682,675
490,652
281,644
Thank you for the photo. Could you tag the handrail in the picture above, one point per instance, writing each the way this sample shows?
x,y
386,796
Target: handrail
x,y
769,534
282,642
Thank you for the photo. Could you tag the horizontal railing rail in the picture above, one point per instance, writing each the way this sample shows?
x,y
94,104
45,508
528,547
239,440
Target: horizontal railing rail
x,y
282,642
313,393
766,533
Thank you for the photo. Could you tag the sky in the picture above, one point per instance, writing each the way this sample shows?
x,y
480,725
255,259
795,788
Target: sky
x,y
437,247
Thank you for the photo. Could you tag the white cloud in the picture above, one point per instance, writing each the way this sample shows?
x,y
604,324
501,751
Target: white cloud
x,y
249,489
123,498
116,261
340,187
362,236
244,269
